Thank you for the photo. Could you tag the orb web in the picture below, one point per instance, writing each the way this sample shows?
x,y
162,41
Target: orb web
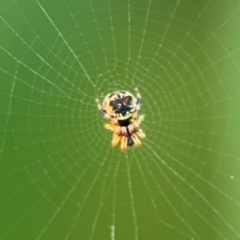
x,y
59,175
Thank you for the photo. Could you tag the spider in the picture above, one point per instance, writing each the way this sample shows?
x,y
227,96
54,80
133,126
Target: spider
x,y
121,109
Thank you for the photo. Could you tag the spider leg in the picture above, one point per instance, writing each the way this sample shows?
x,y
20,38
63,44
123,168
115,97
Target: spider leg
x,y
110,127
139,102
136,140
115,140
138,93
99,106
140,134
140,119
136,124
124,143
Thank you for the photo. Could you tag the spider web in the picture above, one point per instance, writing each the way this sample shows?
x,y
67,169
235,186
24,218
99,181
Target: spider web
x,y
60,179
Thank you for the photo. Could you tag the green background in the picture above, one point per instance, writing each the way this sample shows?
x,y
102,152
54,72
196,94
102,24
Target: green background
x,y
59,177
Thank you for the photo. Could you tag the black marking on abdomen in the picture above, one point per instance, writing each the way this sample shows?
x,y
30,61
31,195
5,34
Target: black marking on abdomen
x,y
130,141
124,123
